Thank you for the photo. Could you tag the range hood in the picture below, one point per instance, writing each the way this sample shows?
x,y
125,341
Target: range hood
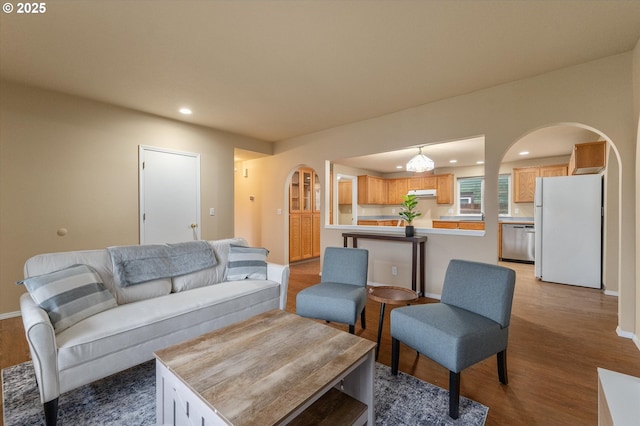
x,y
423,193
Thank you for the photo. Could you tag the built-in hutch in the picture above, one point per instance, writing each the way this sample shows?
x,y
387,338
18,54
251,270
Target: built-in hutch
x,y
304,215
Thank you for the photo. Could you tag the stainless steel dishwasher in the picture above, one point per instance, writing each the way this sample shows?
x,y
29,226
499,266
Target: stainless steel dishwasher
x,y
518,242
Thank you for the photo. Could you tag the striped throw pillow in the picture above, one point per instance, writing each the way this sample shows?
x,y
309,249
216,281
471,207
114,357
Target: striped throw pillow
x,y
70,295
247,263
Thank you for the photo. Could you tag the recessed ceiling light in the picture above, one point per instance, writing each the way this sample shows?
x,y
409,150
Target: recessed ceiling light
x,y
480,162
453,161
185,111
398,167
524,153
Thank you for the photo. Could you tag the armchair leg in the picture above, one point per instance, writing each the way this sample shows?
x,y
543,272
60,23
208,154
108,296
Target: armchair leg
x,y
352,329
395,355
51,412
454,394
502,367
362,319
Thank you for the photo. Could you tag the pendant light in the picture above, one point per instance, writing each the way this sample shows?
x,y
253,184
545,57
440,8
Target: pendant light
x,y
420,163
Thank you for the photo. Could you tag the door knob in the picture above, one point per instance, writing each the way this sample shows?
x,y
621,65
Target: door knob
x,y
194,225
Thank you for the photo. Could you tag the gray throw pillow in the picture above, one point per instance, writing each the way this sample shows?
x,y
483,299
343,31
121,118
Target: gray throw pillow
x,y
70,295
247,263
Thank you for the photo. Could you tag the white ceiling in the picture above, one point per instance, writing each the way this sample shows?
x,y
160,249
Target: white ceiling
x,y
274,69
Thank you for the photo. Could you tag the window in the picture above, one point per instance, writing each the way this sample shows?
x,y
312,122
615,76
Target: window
x,y
471,195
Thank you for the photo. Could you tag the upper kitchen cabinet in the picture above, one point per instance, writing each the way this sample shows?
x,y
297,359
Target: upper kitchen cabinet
x,y
524,180
396,190
372,190
524,184
344,192
444,189
588,158
423,182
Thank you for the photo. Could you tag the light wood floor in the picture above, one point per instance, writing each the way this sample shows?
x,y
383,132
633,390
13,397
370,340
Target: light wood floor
x,y
559,336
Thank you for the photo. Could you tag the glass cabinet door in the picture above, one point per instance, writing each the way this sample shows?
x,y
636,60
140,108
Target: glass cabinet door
x,y
294,192
306,190
316,192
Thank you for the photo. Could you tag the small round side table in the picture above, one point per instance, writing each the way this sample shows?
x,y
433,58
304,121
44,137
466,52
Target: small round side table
x,y
392,295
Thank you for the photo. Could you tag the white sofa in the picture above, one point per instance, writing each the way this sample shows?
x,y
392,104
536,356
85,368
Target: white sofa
x,y
147,317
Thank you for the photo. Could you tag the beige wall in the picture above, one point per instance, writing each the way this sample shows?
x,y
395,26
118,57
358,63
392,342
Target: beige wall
x,y
66,162
597,95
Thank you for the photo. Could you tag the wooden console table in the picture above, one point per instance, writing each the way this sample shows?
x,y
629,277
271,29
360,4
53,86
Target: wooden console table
x,y
416,241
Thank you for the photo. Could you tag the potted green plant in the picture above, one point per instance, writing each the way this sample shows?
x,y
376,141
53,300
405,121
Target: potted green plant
x,y
408,212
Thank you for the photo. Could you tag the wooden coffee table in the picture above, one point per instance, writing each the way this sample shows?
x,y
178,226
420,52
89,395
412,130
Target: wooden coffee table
x,y
392,295
271,369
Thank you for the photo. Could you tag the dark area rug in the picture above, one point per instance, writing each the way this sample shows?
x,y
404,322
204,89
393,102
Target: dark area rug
x,y
128,398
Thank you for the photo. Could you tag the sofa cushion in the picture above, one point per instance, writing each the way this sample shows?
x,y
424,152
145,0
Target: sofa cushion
x,y
70,295
209,276
247,263
133,324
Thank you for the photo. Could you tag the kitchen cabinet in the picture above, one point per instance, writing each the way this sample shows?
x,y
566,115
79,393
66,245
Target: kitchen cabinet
x,y
524,180
423,182
304,215
375,190
379,222
371,190
444,189
524,184
345,192
462,224
588,158
396,190
551,171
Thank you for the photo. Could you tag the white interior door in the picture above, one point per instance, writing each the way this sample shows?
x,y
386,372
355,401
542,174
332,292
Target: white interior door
x,y
169,196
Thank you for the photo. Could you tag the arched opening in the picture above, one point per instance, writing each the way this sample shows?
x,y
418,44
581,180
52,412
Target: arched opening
x,y
550,148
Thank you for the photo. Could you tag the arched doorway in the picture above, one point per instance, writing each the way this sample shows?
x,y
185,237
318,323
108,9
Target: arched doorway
x,y
304,214
556,143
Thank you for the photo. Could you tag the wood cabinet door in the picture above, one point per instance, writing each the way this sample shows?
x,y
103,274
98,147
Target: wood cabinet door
x,y
344,192
445,224
396,189
295,247
524,184
414,183
316,235
294,192
477,226
444,191
306,236
551,171
430,182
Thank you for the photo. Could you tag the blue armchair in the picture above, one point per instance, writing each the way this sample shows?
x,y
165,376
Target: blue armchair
x,y
469,325
341,295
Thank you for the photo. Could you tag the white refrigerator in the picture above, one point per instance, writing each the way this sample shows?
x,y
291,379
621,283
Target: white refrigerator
x,y
568,230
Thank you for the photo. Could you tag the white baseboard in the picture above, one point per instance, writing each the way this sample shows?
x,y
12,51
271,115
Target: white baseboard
x,y
636,340
610,293
625,334
433,296
10,315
